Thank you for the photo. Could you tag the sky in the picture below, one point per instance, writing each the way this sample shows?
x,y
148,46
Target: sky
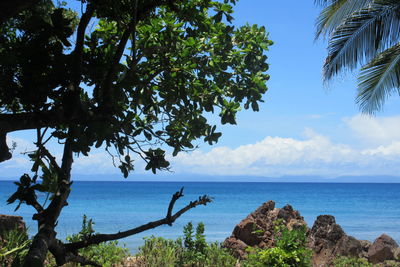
x,y
304,128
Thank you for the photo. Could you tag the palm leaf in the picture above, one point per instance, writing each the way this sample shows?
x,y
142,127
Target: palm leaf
x,y
379,79
363,35
335,12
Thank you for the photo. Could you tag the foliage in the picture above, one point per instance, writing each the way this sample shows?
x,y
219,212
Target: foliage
x,y
191,250
106,254
14,245
136,78
347,261
289,250
363,32
158,251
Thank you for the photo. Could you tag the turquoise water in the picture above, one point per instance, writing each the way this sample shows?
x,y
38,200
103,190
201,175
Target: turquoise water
x,y
363,210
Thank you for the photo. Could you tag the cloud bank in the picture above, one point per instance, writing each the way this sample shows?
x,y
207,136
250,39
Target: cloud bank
x,y
314,154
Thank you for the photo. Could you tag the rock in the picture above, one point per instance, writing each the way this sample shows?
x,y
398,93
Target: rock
x,y
8,222
384,248
257,229
365,244
328,240
237,246
397,253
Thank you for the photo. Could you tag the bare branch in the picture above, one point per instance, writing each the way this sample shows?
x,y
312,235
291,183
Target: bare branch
x,y
175,197
169,219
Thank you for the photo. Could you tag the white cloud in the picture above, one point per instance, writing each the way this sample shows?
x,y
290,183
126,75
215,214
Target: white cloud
x,y
314,154
375,130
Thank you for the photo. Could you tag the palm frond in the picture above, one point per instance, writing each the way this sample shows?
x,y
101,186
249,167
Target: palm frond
x,y
362,35
379,79
335,12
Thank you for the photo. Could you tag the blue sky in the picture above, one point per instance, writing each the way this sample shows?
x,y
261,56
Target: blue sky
x,y
303,128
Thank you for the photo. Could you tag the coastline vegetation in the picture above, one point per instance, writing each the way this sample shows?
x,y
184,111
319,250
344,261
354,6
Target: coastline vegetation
x,y
190,250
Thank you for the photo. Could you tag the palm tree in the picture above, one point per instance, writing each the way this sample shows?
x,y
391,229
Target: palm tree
x,y
363,33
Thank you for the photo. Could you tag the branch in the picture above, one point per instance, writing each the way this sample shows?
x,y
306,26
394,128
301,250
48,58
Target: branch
x,y
169,219
34,203
30,120
175,197
80,38
4,150
107,83
50,157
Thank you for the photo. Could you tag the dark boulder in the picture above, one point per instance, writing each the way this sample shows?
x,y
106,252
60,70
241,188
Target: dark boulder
x,y
384,248
8,222
328,240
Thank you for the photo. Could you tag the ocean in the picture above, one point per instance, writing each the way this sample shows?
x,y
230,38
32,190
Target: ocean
x,y
364,210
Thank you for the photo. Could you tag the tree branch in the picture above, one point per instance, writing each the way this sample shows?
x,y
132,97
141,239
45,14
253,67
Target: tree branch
x,y
169,219
50,157
31,120
107,83
78,51
36,205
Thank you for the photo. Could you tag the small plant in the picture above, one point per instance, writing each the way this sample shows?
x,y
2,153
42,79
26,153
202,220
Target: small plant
x,y
353,262
14,245
194,245
158,251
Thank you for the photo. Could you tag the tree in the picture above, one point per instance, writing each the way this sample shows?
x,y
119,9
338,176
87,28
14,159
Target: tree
x,y
363,32
125,76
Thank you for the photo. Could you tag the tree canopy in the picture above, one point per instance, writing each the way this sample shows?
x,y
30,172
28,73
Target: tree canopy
x,y
363,33
125,76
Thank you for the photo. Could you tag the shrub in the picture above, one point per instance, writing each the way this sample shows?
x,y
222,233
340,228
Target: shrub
x,y
14,245
191,250
158,251
106,254
290,250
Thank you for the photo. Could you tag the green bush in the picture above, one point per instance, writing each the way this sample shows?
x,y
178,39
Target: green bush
x,y
106,254
158,251
353,262
290,250
190,251
14,245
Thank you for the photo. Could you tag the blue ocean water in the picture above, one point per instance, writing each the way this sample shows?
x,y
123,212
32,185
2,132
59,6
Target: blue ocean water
x,y
363,210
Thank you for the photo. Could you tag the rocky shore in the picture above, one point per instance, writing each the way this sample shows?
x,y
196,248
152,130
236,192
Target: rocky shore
x,y
325,238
